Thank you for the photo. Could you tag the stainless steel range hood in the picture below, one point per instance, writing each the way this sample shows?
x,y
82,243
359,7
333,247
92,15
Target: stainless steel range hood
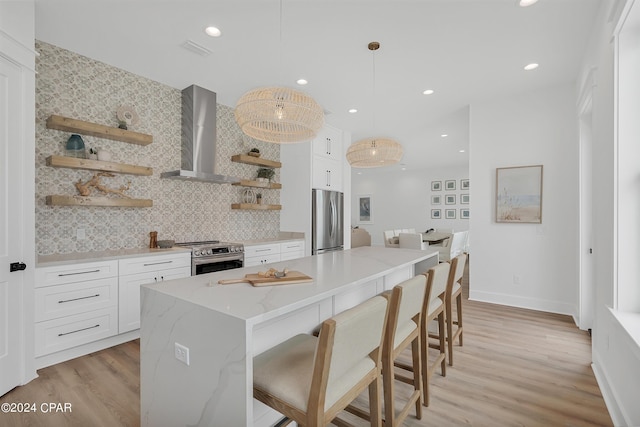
x,y
198,150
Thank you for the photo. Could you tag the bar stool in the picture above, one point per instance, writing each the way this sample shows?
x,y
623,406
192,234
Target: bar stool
x,y
454,290
403,330
433,308
310,380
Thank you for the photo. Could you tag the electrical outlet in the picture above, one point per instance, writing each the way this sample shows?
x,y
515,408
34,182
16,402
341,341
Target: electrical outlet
x,y
80,234
182,353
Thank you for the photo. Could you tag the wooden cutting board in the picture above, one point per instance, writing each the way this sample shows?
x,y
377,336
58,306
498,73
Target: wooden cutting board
x,y
257,280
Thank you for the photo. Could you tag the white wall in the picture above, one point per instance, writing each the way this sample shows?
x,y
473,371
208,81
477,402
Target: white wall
x,y
402,199
526,265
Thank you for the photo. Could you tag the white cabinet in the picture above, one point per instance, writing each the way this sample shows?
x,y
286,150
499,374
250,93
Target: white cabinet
x,y
272,252
327,160
75,304
261,254
140,271
291,250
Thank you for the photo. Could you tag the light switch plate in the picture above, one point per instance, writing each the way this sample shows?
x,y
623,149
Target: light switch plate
x,y
182,353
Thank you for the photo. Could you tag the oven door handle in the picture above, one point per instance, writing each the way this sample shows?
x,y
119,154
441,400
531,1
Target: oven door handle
x,y
199,261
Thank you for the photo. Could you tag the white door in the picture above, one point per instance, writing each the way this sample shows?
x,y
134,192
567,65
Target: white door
x,y
10,226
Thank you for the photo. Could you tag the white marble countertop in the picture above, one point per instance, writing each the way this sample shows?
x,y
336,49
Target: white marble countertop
x,y
332,272
77,257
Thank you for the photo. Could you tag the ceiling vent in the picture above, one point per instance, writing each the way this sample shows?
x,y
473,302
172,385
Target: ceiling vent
x,y
194,47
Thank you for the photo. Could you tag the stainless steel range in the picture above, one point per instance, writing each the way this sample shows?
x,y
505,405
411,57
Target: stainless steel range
x,y
207,257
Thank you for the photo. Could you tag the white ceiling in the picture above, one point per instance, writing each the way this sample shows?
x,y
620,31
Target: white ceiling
x,y
466,50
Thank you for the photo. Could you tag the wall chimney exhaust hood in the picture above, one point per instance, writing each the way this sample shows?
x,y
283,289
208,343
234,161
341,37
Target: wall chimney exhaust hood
x,y
198,147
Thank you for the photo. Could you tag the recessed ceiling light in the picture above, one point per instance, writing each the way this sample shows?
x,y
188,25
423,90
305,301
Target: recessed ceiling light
x,y
301,82
353,110
460,151
525,3
213,31
428,92
531,66
444,135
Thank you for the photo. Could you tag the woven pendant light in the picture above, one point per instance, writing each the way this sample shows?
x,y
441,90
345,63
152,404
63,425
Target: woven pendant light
x,y
374,152
279,114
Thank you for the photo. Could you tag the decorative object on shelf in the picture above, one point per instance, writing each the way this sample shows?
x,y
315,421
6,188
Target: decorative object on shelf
x,y
166,244
127,115
248,196
266,174
254,152
122,125
75,147
279,114
259,198
375,151
153,239
93,154
85,188
104,155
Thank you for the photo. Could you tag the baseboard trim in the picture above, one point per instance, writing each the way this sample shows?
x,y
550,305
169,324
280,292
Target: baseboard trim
x,y
615,411
523,302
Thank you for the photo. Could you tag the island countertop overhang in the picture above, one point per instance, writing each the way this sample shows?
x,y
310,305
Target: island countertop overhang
x,y
333,273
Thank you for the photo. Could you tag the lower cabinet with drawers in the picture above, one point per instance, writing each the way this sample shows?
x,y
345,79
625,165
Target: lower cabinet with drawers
x,y
86,303
266,253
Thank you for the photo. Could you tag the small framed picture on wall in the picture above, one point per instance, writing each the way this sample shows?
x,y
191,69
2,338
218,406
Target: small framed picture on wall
x,y
450,213
450,199
464,213
450,185
436,185
435,213
464,184
436,200
464,199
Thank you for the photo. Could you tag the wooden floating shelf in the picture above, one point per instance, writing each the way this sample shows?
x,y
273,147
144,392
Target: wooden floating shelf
x,y
256,161
259,184
97,201
97,165
256,206
93,129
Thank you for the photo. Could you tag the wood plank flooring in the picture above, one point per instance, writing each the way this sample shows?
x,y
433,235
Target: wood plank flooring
x,y
517,368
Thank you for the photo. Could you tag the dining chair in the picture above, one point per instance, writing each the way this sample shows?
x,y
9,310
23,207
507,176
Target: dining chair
x,y
433,308
311,379
412,241
454,291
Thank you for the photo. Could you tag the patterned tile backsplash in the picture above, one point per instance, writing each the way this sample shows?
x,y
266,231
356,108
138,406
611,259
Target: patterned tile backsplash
x,y
78,87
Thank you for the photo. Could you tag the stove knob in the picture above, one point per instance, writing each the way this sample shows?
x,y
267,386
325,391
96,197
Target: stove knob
x,y
209,251
196,253
233,249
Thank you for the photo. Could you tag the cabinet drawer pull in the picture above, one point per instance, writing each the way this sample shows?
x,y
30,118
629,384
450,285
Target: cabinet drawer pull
x,y
263,250
157,263
80,272
62,301
79,330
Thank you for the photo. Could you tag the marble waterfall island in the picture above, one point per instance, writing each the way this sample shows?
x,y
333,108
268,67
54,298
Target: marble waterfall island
x,y
225,326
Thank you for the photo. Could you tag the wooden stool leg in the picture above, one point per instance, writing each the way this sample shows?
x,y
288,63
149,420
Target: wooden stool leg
x,y
375,410
449,321
443,364
459,310
387,386
417,377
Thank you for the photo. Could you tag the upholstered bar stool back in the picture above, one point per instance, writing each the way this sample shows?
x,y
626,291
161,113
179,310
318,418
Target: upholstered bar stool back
x,y
310,380
403,330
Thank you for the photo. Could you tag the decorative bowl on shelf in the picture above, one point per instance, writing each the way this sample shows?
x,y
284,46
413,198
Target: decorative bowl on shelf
x,y
253,154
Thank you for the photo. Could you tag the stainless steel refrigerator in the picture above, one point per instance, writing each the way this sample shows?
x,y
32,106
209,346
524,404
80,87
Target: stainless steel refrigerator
x,y
326,221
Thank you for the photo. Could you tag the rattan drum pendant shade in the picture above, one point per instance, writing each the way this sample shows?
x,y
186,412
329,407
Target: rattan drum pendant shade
x,y
374,152
279,114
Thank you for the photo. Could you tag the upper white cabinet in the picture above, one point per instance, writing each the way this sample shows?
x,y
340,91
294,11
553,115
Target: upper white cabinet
x,y
327,160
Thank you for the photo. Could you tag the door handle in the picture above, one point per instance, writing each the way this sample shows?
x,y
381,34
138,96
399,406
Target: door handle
x,y
17,266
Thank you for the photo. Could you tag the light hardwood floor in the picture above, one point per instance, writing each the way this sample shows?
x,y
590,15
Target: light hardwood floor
x,y
517,368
